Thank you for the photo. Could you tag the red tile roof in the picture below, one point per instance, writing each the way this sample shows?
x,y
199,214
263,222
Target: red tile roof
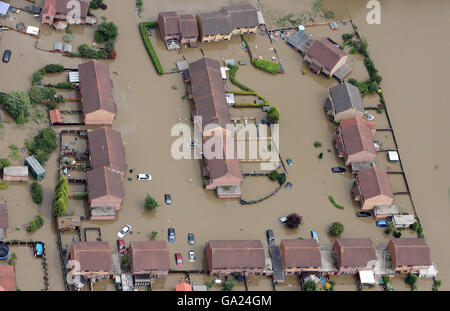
x,y
103,182
92,256
149,255
237,254
55,116
7,278
183,287
106,149
411,251
96,87
373,182
171,22
357,137
301,253
325,53
63,6
188,25
355,252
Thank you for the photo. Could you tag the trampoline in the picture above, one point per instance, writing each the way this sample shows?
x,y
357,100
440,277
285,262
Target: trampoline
x,y
4,252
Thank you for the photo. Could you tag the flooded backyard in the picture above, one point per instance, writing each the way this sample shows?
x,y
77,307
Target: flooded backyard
x,y
150,105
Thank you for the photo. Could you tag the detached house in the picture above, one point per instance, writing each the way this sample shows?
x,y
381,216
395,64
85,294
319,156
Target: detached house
x,y
300,256
409,254
56,13
353,140
96,90
225,257
372,188
148,260
344,101
324,55
354,255
92,260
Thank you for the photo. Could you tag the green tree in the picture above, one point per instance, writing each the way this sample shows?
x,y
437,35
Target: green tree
x,y
273,115
411,279
59,208
106,31
282,178
17,102
4,163
273,175
36,95
309,286
154,234
208,284
415,225
21,118
150,203
36,192
229,284
336,228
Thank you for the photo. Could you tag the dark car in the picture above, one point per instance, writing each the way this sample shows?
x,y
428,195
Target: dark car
x,y
363,214
338,170
121,246
171,235
270,236
6,56
191,239
265,121
168,199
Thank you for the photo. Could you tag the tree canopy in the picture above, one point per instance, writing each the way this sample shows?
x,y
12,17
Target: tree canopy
x,y
17,103
273,115
336,228
106,31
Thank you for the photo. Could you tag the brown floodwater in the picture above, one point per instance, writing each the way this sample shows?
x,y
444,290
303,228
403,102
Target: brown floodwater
x,y
149,106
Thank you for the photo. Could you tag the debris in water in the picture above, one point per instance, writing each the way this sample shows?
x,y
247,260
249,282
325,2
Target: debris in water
x,y
129,87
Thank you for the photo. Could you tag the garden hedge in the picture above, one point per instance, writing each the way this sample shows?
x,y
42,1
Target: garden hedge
x,y
148,45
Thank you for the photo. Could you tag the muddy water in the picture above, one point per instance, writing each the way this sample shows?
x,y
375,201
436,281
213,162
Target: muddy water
x,y
149,107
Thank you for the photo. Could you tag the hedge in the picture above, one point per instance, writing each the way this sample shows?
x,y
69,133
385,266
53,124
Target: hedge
x,y
330,197
232,74
64,85
36,192
266,65
148,45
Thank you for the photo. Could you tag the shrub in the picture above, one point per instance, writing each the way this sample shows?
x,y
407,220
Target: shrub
x,y
95,4
208,284
42,145
273,114
64,85
148,45
273,175
4,163
282,178
154,234
309,286
320,156
415,226
80,195
36,95
411,279
17,102
317,144
265,65
397,234
35,224
3,185
36,192
150,203
229,284
106,31
352,51
331,198
109,46
67,37
347,36
37,77
336,228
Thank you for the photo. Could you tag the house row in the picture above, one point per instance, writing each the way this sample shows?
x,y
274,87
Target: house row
x,y
205,87
207,27
108,169
150,259
61,13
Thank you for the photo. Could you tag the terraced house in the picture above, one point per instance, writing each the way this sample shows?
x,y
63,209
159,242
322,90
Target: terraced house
x,y
231,20
372,188
409,254
148,260
300,256
354,255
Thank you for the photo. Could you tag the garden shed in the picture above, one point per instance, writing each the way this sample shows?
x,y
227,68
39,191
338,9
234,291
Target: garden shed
x,y
36,168
15,173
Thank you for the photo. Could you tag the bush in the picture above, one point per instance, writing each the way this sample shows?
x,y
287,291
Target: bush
x,y
265,65
317,144
347,36
397,234
331,198
35,224
86,52
411,279
37,77
229,284
148,45
61,197
150,203
109,46
36,95
106,31
352,51
4,163
282,178
42,145
232,76
274,175
17,103
52,68
64,85
273,115
36,192
80,195
95,4
336,228
3,185
67,37
415,226
309,286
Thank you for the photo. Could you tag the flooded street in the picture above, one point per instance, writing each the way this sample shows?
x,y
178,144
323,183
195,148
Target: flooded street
x,y
150,105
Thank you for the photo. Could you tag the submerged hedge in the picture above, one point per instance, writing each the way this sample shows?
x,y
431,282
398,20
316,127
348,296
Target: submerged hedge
x,y
265,65
148,45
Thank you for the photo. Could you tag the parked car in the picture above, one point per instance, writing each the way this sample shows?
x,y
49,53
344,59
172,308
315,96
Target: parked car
x,y
265,121
288,186
121,246
168,199
270,236
124,231
363,214
191,239
289,161
191,255
171,235
6,56
338,170
314,235
283,219
144,177
178,259
381,223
